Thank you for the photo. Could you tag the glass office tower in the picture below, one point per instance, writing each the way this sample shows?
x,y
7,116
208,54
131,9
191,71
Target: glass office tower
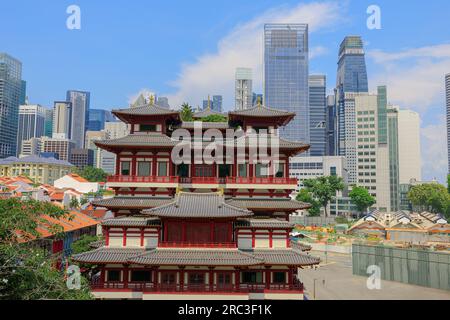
x,y
286,75
10,94
80,115
318,115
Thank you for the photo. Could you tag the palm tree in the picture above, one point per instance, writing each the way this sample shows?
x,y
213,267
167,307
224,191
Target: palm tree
x,y
186,112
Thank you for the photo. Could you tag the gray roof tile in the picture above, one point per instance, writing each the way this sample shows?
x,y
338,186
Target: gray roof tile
x,y
108,255
132,202
285,257
145,110
134,221
264,223
198,205
253,203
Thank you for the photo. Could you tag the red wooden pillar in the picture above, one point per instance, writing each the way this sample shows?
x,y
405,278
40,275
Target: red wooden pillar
x,y
125,276
287,169
270,238
288,241
237,279
267,273
183,231
117,164
211,279
142,236
155,278
106,234
171,173
124,242
182,278
154,166
211,231
165,237
134,166
253,238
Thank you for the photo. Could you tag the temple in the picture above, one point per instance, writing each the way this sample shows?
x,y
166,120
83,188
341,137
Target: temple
x,y
200,229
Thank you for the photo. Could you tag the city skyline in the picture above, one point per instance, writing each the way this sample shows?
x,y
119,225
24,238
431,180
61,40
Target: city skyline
x,y
240,30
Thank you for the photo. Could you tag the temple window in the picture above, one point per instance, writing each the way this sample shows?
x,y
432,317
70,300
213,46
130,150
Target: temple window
x,y
144,169
162,169
261,170
196,278
279,277
148,128
224,170
125,168
252,277
113,276
242,170
280,172
141,276
168,278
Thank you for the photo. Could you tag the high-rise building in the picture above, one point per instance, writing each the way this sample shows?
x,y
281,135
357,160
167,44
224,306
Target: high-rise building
x,y
286,71
31,124
60,146
447,91
352,73
48,128
10,93
217,103
351,80
394,164
116,130
98,118
62,119
82,158
80,115
31,147
410,163
91,137
373,167
163,102
318,115
331,126
244,89
23,93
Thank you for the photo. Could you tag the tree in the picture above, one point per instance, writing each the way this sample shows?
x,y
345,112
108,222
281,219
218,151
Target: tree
x,y
432,197
305,196
362,199
186,112
448,183
324,189
215,118
83,244
92,174
26,272
74,204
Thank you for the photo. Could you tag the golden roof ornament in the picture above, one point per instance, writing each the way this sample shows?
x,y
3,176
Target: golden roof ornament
x,y
258,103
152,99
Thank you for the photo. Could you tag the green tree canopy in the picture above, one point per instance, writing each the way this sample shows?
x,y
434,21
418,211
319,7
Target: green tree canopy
x,y
83,244
92,174
26,272
215,118
305,196
362,199
432,197
324,189
186,112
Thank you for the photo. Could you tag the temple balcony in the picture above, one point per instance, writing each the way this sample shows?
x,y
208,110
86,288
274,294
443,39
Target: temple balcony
x,y
122,181
170,244
263,183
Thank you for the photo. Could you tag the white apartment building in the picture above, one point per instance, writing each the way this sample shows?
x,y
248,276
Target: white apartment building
x,y
410,163
244,88
373,172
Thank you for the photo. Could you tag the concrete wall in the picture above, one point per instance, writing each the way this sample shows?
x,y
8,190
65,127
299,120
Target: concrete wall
x,y
411,266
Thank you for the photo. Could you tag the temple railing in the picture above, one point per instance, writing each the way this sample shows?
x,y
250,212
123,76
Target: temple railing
x,y
170,244
202,180
256,180
201,288
147,179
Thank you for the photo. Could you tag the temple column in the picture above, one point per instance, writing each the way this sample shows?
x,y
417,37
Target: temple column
x,y
182,279
154,166
117,164
237,279
211,278
134,165
125,276
267,274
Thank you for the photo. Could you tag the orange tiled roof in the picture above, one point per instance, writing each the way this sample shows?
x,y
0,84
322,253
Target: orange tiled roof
x,y
57,196
77,177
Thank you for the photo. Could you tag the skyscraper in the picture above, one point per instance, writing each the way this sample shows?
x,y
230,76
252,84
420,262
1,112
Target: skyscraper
x,y
331,126
98,118
10,92
286,71
244,88
31,124
447,91
351,82
48,130
62,119
80,115
352,73
318,115
217,104
394,164
23,93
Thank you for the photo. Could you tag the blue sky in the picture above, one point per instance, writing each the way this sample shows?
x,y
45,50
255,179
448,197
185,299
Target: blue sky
x,y
189,49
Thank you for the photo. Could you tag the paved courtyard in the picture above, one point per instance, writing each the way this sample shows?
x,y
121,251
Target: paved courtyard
x,y
335,281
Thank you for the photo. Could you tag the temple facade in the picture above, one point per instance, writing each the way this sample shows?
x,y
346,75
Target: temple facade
x,y
186,227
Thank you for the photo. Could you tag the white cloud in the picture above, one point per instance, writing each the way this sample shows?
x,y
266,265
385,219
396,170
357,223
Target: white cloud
x,y
243,47
415,77
415,80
